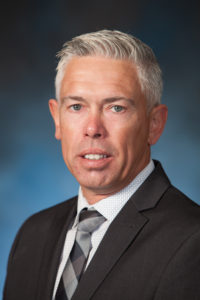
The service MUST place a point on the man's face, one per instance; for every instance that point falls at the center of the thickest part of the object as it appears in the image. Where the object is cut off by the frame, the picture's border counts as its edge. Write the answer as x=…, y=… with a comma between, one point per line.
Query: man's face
x=103, y=124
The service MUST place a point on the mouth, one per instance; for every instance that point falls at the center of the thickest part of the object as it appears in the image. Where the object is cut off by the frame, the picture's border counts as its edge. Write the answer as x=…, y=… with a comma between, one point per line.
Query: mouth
x=95, y=157
x=92, y=156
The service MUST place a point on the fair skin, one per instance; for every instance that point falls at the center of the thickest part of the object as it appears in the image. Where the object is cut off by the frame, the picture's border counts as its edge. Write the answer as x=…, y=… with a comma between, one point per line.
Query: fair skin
x=103, y=124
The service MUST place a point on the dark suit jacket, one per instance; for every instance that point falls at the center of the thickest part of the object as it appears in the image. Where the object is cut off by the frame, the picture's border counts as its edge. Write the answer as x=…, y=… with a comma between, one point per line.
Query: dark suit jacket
x=150, y=251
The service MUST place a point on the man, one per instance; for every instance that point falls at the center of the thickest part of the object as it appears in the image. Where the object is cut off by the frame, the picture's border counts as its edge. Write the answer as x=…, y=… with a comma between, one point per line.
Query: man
x=129, y=234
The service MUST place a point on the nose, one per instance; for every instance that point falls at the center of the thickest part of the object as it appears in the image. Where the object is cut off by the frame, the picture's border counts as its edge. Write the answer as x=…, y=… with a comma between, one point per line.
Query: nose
x=94, y=126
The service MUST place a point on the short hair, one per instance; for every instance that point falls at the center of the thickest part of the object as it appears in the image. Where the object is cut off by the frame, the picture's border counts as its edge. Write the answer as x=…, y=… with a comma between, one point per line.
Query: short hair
x=116, y=45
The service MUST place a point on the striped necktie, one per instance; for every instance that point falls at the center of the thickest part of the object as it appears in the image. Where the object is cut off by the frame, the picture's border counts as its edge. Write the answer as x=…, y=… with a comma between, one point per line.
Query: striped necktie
x=89, y=221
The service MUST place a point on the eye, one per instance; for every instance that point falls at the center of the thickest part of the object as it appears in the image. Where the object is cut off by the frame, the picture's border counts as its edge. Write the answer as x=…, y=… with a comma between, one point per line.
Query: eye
x=117, y=108
x=76, y=107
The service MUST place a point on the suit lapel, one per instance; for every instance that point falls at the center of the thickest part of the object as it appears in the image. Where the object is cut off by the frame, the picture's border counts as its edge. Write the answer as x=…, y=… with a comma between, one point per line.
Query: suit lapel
x=122, y=232
x=53, y=248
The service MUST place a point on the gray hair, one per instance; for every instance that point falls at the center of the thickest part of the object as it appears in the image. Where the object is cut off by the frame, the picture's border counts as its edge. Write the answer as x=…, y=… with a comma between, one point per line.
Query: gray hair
x=116, y=45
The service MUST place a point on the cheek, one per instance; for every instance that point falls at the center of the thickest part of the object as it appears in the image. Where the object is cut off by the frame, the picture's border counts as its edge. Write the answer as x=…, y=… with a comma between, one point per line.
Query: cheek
x=66, y=141
x=68, y=131
x=125, y=139
x=134, y=138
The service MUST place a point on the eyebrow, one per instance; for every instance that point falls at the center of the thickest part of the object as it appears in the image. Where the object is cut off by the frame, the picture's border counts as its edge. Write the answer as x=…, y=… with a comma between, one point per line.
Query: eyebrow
x=76, y=98
x=106, y=100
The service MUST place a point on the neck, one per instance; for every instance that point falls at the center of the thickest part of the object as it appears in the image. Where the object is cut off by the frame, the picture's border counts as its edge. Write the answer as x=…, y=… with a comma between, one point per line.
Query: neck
x=94, y=195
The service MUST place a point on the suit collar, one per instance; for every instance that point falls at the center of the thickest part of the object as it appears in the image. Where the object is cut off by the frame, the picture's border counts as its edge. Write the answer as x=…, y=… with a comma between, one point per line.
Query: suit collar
x=150, y=192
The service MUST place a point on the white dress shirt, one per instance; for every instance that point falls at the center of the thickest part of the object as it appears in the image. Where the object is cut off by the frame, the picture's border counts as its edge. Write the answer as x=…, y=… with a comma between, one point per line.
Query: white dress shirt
x=109, y=208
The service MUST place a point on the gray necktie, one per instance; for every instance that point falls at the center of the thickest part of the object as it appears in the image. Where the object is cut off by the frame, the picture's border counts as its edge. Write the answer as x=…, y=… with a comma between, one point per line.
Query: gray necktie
x=89, y=221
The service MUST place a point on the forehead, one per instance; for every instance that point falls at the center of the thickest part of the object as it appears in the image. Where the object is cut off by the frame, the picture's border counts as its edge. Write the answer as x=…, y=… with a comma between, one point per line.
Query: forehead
x=95, y=72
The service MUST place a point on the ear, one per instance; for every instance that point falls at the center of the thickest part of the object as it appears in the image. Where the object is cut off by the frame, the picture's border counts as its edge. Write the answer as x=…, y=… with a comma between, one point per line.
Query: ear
x=54, y=110
x=158, y=118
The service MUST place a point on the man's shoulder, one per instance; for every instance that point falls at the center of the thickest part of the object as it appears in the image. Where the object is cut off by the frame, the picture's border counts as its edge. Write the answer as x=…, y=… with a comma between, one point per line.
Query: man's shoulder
x=172, y=198
x=181, y=202
x=43, y=218
x=170, y=206
x=179, y=209
x=41, y=226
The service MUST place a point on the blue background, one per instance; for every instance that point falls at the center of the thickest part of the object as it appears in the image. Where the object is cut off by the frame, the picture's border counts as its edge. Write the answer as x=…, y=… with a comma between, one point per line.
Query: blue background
x=33, y=175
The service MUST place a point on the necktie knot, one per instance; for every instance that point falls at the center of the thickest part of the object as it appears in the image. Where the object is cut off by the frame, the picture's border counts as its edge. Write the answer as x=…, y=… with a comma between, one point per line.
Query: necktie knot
x=90, y=220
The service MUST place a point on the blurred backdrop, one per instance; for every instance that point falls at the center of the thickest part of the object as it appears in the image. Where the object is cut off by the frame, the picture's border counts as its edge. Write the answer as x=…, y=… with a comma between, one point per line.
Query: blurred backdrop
x=33, y=175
